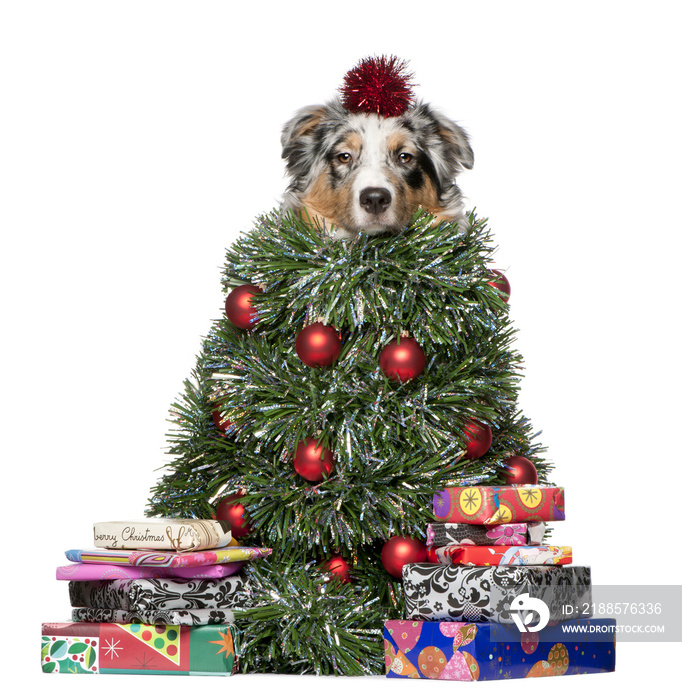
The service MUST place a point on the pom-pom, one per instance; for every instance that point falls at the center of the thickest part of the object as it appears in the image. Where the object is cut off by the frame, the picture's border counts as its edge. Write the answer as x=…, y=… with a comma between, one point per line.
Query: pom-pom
x=380, y=85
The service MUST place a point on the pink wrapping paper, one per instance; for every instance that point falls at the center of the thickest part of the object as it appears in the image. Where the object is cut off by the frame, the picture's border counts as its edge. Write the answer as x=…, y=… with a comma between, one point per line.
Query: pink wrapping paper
x=101, y=572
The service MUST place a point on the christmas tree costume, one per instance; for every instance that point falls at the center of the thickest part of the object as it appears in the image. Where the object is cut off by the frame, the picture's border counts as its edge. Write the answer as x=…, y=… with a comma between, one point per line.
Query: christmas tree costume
x=347, y=383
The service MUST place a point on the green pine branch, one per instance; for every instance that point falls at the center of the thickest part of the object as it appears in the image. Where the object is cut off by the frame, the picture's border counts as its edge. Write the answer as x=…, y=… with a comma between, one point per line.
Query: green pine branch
x=394, y=444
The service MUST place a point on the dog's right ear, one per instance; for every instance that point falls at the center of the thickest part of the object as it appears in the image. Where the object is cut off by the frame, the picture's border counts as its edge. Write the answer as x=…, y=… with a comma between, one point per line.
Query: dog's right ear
x=298, y=137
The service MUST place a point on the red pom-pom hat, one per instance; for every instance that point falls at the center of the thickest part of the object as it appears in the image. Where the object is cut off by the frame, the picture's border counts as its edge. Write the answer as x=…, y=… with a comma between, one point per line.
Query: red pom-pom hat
x=379, y=85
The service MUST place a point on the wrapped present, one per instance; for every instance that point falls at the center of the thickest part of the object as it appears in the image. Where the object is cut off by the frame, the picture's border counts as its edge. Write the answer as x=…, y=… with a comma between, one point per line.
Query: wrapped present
x=487, y=593
x=485, y=651
x=90, y=647
x=445, y=534
x=167, y=559
x=176, y=534
x=154, y=617
x=105, y=572
x=493, y=505
x=501, y=556
x=139, y=595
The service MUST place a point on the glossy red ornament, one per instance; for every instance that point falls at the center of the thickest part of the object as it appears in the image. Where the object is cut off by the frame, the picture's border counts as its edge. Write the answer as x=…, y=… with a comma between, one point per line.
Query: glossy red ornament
x=402, y=359
x=499, y=281
x=479, y=438
x=318, y=345
x=338, y=566
x=399, y=551
x=312, y=460
x=519, y=470
x=232, y=510
x=238, y=307
x=378, y=84
x=221, y=423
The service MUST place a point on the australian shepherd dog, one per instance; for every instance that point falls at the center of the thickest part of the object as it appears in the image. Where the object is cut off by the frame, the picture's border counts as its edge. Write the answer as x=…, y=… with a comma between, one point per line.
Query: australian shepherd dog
x=354, y=172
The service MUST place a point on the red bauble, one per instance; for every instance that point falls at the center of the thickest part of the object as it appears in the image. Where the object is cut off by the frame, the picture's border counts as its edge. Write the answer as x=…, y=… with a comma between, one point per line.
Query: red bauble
x=380, y=85
x=402, y=359
x=312, y=460
x=232, y=510
x=519, y=470
x=399, y=551
x=499, y=281
x=238, y=306
x=479, y=438
x=338, y=566
x=318, y=345
x=221, y=423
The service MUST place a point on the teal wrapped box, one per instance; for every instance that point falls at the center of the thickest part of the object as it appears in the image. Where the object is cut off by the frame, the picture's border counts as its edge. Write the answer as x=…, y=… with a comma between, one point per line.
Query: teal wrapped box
x=485, y=651
x=92, y=647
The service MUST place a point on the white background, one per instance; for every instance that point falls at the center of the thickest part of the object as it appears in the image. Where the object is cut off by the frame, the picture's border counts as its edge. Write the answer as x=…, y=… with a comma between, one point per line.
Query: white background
x=137, y=139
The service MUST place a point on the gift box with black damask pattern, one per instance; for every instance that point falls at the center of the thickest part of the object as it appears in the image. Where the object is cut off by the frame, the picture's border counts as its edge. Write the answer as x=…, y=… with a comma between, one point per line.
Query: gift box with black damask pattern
x=142, y=595
x=485, y=651
x=192, y=618
x=487, y=593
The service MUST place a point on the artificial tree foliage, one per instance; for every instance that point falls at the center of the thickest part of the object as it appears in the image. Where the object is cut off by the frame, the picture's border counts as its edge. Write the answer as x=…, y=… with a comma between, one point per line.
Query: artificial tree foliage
x=394, y=443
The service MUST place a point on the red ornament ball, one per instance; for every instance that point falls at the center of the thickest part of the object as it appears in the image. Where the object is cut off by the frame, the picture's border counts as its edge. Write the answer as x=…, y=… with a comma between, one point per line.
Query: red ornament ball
x=402, y=359
x=318, y=345
x=312, y=460
x=221, y=423
x=519, y=470
x=232, y=510
x=238, y=306
x=338, y=566
x=378, y=84
x=479, y=438
x=499, y=281
x=399, y=551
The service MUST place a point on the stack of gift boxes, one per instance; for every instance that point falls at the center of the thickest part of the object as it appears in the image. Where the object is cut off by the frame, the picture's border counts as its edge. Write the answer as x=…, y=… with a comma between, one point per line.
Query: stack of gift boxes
x=493, y=601
x=154, y=596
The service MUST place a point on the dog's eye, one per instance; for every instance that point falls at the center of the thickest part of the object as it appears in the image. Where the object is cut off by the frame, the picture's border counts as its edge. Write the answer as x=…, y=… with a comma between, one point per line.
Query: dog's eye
x=405, y=158
x=344, y=157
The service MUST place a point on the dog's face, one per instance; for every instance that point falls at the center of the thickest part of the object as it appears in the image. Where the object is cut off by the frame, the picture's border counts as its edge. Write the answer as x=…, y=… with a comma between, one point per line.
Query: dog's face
x=364, y=172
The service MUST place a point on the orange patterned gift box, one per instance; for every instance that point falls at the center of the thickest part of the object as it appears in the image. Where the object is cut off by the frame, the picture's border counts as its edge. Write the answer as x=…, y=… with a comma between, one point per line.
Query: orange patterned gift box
x=491, y=505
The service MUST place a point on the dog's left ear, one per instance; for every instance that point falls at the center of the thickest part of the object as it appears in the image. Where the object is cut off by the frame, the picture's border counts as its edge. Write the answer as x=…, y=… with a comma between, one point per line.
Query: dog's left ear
x=445, y=142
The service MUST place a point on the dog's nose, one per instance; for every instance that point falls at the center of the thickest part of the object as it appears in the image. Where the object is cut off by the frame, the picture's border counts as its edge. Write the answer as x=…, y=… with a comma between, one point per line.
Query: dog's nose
x=375, y=199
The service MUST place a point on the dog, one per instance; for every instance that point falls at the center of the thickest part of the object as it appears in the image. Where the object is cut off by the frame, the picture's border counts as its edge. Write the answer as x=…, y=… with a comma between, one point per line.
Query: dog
x=352, y=172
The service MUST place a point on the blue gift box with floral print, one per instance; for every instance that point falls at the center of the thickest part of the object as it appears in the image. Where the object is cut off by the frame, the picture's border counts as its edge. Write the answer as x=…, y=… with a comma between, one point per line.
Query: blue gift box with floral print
x=484, y=651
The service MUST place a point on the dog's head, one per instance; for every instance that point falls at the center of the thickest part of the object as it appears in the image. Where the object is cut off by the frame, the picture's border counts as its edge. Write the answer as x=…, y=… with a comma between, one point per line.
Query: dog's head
x=365, y=172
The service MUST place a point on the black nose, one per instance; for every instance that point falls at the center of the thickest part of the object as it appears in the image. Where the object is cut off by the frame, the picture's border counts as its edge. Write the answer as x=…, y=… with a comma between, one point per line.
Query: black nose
x=375, y=199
